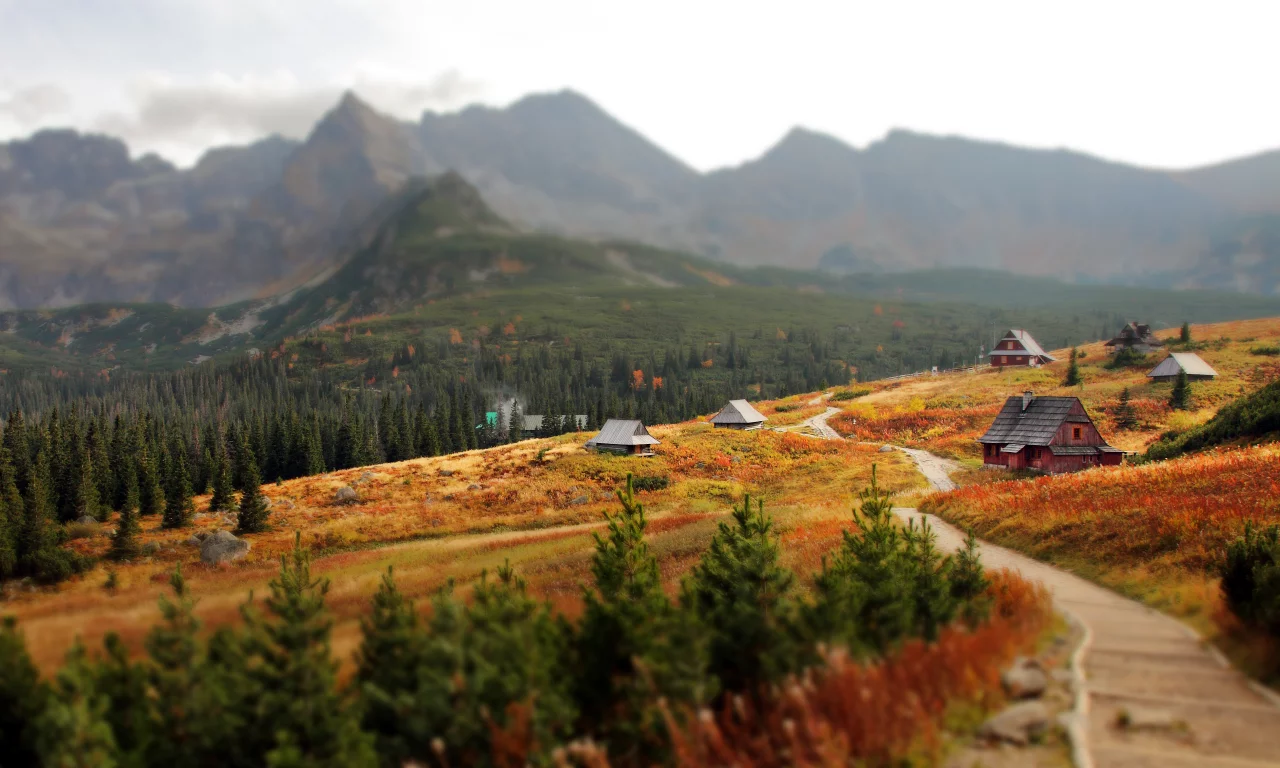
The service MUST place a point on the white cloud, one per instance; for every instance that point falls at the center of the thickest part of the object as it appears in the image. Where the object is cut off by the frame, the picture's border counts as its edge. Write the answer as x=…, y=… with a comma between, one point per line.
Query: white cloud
x=34, y=105
x=180, y=118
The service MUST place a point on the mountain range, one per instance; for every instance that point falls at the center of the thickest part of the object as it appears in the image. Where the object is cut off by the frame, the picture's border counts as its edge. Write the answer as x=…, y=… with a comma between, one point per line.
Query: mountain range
x=81, y=220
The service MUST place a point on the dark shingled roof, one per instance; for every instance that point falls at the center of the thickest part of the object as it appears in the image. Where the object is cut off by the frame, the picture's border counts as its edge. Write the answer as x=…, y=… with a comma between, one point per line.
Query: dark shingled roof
x=1035, y=426
x=1074, y=450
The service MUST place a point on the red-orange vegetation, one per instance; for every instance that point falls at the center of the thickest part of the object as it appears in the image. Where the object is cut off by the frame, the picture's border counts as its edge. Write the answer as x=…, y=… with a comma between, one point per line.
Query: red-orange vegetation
x=876, y=712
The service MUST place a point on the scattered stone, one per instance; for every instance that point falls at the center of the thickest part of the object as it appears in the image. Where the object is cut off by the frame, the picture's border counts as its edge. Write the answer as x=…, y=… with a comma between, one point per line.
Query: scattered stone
x=1143, y=719
x=223, y=547
x=1018, y=724
x=285, y=504
x=734, y=459
x=150, y=548
x=579, y=501
x=345, y=495
x=1063, y=676
x=448, y=496
x=1025, y=679
x=201, y=516
x=87, y=520
x=886, y=448
x=197, y=538
x=366, y=476
x=700, y=465
x=268, y=502
x=473, y=487
x=446, y=473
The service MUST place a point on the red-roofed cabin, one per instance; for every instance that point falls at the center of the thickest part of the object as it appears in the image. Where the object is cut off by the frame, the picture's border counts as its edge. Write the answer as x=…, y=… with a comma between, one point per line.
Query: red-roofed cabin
x=1048, y=434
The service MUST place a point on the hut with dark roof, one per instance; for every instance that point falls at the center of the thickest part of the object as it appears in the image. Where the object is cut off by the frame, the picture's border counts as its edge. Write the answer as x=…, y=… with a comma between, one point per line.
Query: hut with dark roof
x=624, y=436
x=1135, y=336
x=1049, y=434
x=1018, y=348
x=738, y=414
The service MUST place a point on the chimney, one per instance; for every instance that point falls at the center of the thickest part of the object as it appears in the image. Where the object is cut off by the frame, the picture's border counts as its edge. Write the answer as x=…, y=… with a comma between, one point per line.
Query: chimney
x=1027, y=397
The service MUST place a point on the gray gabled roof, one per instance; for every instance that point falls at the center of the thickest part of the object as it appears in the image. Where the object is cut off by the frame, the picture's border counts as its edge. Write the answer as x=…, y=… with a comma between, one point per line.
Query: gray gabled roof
x=738, y=412
x=1029, y=344
x=1186, y=361
x=623, y=432
x=1037, y=425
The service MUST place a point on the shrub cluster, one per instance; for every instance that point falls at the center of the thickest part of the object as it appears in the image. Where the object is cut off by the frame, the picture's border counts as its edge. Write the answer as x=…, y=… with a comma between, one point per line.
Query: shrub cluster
x=499, y=678
x=1251, y=578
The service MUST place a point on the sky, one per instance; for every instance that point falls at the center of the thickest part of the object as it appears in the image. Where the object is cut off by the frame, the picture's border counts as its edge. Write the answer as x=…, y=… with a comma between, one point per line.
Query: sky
x=1167, y=84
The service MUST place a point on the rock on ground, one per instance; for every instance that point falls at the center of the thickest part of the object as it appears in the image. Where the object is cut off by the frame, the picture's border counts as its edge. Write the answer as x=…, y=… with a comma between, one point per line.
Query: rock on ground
x=198, y=538
x=87, y=520
x=886, y=448
x=1025, y=679
x=222, y=547
x=346, y=494
x=1018, y=724
x=579, y=501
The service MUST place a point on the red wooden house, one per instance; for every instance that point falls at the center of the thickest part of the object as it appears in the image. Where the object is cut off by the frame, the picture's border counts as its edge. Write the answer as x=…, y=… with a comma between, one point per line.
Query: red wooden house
x=1018, y=348
x=1049, y=434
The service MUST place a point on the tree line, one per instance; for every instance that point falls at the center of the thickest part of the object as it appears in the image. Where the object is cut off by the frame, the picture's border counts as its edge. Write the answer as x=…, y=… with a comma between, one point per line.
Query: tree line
x=496, y=679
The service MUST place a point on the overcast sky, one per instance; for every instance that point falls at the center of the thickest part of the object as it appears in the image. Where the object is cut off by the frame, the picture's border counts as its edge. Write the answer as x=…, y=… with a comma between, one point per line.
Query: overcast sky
x=1167, y=84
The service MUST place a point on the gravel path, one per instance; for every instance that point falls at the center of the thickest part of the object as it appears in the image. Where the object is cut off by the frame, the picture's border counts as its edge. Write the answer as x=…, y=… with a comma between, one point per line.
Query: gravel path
x=1196, y=710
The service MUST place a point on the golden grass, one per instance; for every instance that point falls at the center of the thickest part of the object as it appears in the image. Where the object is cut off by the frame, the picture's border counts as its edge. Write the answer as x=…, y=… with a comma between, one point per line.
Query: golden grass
x=946, y=414
x=497, y=504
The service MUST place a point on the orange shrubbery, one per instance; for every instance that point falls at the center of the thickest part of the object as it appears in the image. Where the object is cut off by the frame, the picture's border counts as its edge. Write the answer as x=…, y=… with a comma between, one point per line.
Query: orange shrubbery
x=1180, y=512
x=872, y=712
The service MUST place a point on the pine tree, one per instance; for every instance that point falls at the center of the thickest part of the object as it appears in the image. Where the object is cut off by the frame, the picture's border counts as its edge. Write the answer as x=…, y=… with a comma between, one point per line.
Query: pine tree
x=179, y=507
x=741, y=593
x=1180, y=397
x=124, y=542
x=301, y=718
x=253, y=506
x=969, y=581
x=173, y=649
x=1126, y=418
x=1184, y=336
x=123, y=683
x=1073, y=371
x=386, y=668
x=150, y=495
x=73, y=730
x=11, y=516
x=222, y=497
x=23, y=698
x=633, y=645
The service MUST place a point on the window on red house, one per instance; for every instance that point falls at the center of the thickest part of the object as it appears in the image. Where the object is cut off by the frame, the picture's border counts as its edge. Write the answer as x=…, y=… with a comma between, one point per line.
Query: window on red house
x=1076, y=432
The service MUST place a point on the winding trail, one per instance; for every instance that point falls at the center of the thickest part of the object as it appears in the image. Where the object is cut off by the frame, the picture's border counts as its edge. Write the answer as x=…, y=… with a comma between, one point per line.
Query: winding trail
x=1135, y=662
x=818, y=424
x=1141, y=662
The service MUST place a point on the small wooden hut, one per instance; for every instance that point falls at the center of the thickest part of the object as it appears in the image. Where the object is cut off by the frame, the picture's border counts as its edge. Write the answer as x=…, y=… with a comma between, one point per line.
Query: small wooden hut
x=738, y=414
x=624, y=436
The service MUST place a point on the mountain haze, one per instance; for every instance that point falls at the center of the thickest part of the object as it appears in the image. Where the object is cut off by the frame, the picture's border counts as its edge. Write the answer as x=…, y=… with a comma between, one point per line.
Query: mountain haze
x=82, y=221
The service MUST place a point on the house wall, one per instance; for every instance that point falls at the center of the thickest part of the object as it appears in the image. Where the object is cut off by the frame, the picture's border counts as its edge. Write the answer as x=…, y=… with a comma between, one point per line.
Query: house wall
x=1001, y=361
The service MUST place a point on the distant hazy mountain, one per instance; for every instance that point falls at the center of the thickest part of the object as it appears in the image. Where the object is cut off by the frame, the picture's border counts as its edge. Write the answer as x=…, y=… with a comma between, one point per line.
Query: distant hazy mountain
x=82, y=221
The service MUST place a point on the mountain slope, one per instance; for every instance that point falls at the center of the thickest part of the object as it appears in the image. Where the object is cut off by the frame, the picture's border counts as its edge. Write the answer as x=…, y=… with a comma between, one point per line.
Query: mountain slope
x=81, y=221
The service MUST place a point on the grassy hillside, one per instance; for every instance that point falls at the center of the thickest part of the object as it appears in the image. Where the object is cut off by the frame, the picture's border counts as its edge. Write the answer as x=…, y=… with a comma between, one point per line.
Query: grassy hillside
x=946, y=414
x=1252, y=417
x=535, y=503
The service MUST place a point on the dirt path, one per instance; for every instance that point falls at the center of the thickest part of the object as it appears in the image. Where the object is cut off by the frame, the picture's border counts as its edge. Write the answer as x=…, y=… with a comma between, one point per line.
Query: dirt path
x=818, y=424
x=1137, y=662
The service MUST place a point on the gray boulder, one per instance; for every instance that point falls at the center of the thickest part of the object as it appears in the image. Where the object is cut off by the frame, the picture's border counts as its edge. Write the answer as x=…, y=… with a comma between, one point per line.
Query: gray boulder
x=1025, y=679
x=346, y=494
x=473, y=487
x=87, y=520
x=1018, y=724
x=886, y=448
x=223, y=547
x=446, y=473
x=198, y=538
x=579, y=501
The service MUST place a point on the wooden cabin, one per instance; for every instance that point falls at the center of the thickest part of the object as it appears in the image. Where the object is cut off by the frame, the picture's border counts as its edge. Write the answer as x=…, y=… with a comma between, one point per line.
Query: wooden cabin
x=1195, y=368
x=1047, y=434
x=1018, y=348
x=738, y=414
x=1135, y=336
x=624, y=436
